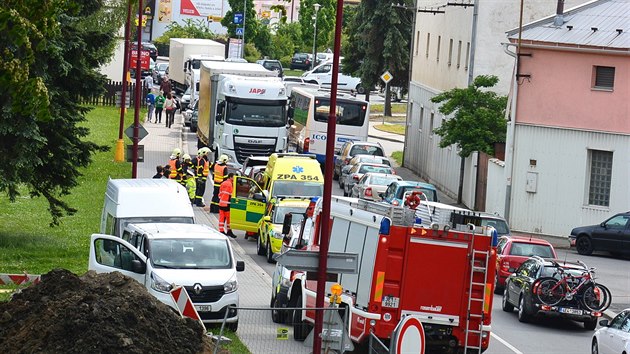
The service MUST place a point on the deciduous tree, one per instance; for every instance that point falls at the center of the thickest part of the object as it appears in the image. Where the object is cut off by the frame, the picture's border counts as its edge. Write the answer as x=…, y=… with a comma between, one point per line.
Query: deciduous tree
x=51, y=52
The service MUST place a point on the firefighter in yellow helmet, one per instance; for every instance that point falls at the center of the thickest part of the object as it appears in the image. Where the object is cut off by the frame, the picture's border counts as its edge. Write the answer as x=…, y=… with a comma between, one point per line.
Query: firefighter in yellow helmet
x=186, y=165
x=176, y=165
x=219, y=172
x=201, y=167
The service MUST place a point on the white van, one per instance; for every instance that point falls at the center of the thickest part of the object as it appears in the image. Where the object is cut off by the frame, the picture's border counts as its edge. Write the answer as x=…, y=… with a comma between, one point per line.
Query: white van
x=322, y=75
x=144, y=200
x=160, y=256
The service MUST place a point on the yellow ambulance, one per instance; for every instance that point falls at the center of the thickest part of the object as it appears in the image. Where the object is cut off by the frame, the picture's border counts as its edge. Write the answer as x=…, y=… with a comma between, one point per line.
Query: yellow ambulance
x=286, y=175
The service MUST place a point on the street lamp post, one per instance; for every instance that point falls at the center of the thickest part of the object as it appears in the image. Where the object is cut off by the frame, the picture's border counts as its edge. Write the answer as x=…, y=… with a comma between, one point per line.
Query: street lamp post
x=316, y=6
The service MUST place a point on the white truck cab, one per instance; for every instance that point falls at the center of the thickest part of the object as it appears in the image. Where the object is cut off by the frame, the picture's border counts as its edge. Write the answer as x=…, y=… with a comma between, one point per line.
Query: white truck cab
x=161, y=256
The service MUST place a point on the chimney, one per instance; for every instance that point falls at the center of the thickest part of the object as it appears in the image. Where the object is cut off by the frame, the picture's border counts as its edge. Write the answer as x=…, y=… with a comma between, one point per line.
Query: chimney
x=559, y=19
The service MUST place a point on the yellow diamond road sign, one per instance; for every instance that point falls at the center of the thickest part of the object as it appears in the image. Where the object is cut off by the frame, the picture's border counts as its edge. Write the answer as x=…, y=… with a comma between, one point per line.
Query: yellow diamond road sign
x=387, y=77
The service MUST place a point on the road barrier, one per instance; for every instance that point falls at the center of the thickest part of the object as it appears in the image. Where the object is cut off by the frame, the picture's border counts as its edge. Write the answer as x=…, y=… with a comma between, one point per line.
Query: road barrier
x=19, y=279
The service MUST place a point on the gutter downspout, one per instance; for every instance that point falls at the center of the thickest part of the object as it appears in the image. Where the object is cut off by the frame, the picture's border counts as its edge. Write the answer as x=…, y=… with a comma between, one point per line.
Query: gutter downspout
x=409, y=101
x=510, y=137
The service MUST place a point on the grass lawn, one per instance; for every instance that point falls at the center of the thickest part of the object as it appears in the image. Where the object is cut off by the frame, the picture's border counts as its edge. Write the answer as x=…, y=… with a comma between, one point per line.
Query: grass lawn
x=295, y=72
x=398, y=156
x=396, y=108
x=391, y=128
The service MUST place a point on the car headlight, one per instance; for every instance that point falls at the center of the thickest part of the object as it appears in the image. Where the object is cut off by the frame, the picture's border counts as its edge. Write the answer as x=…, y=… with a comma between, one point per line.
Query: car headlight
x=231, y=285
x=159, y=284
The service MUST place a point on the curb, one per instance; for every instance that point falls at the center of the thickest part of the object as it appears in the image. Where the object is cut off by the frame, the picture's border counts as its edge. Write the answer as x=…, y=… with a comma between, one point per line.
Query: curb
x=385, y=138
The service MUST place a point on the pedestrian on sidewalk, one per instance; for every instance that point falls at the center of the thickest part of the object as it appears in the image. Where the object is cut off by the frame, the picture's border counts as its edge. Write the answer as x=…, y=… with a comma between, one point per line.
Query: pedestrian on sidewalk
x=159, y=106
x=150, y=105
x=219, y=172
x=165, y=86
x=148, y=82
x=160, y=172
x=169, y=106
x=202, y=170
x=225, y=193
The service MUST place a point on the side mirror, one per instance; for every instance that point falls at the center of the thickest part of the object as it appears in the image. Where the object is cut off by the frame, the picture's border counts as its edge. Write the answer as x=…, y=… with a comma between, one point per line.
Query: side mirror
x=290, y=113
x=219, y=117
x=382, y=195
x=267, y=218
x=603, y=224
x=240, y=266
x=138, y=267
x=291, y=121
x=259, y=197
x=286, y=225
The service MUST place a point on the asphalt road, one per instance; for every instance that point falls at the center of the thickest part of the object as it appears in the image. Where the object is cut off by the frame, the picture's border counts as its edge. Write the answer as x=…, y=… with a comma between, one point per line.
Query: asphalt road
x=543, y=335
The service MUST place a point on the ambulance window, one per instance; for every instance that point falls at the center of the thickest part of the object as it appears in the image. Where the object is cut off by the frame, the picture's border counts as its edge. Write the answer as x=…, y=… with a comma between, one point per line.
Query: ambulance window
x=243, y=185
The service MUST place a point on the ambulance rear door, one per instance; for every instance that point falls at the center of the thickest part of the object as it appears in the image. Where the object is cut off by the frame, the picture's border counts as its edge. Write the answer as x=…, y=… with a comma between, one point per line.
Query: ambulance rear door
x=247, y=205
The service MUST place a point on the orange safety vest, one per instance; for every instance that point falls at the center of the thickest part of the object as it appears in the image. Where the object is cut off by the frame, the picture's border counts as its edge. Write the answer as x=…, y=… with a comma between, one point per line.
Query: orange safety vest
x=225, y=193
x=173, y=164
x=219, y=173
x=206, y=168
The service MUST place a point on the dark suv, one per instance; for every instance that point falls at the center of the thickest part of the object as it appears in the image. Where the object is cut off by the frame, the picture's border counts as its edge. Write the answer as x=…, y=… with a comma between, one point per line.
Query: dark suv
x=521, y=285
x=301, y=61
x=273, y=65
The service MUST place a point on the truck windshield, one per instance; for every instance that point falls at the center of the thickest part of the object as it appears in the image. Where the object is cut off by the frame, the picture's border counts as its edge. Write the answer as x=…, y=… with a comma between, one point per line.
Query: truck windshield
x=348, y=113
x=259, y=113
x=190, y=253
x=301, y=189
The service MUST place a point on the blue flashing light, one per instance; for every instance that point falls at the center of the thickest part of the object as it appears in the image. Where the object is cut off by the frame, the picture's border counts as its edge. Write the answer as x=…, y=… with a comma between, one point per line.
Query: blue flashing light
x=418, y=220
x=385, y=225
x=495, y=237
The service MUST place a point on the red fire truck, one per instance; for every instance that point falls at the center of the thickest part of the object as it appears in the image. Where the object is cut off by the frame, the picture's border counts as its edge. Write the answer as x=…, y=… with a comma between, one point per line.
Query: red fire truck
x=441, y=274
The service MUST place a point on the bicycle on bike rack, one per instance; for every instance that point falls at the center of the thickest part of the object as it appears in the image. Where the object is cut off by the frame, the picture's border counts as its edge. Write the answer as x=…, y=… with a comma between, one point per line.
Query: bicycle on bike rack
x=573, y=285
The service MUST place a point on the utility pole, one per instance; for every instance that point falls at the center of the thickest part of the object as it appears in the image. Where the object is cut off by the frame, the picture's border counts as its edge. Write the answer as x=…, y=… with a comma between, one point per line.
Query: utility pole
x=136, y=106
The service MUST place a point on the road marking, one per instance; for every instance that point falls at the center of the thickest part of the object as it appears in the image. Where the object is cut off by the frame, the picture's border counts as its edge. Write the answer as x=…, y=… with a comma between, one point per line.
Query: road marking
x=505, y=343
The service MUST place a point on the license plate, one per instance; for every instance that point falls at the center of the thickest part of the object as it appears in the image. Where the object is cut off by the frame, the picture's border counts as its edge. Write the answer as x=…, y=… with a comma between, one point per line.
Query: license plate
x=570, y=311
x=203, y=308
x=390, y=301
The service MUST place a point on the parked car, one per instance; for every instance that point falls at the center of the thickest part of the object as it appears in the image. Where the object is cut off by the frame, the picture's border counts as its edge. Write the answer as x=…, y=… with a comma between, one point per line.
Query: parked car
x=189, y=112
x=512, y=251
x=371, y=185
x=186, y=100
x=159, y=71
x=519, y=292
x=395, y=193
x=614, y=335
x=351, y=148
x=362, y=158
x=270, y=227
x=612, y=235
x=357, y=171
x=323, y=57
x=301, y=61
x=272, y=65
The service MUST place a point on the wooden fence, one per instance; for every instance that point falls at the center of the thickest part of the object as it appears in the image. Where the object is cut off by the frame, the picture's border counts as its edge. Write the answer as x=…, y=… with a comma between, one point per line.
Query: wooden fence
x=110, y=96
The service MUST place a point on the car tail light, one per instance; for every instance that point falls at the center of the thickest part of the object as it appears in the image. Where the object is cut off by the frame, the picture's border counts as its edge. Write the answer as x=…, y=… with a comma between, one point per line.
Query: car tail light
x=368, y=192
x=545, y=307
x=395, y=202
x=346, y=161
x=307, y=143
x=355, y=177
x=505, y=266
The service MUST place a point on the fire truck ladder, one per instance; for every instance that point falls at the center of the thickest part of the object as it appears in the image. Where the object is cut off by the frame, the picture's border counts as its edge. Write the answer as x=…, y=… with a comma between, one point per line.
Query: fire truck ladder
x=478, y=265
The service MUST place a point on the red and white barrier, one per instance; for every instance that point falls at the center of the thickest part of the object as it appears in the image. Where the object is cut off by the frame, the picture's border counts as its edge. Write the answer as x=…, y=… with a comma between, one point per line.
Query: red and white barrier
x=19, y=279
x=184, y=304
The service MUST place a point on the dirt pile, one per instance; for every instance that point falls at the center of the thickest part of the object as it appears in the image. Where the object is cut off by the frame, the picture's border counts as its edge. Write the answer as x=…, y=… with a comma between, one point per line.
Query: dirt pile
x=94, y=313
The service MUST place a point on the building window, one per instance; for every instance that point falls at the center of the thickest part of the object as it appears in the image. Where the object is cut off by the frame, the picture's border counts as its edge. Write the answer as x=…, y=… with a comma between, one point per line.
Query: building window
x=459, y=53
x=417, y=42
x=438, y=48
x=450, y=52
x=603, y=77
x=420, y=121
x=467, y=56
x=600, y=177
x=428, y=44
x=431, y=121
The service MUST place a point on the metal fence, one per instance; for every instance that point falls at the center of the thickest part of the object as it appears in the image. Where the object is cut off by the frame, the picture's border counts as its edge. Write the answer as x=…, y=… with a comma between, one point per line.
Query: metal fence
x=111, y=96
x=288, y=334
x=375, y=346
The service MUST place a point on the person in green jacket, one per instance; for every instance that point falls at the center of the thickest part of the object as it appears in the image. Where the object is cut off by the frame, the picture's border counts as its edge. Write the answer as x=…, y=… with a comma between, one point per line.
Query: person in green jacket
x=191, y=185
x=159, y=107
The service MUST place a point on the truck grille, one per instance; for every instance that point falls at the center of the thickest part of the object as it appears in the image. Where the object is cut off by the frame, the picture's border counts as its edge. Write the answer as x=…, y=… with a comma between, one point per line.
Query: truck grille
x=207, y=294
x=244, y=151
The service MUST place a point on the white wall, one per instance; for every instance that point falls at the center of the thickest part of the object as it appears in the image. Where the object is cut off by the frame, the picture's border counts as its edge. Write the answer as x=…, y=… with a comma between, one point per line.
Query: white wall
x=114, y=69
x=495, y=195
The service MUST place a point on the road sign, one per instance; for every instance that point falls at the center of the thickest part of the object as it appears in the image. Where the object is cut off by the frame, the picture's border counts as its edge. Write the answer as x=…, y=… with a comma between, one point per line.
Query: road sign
x=238, y=18
x=266, y=14
x=334, y=334
x=408, y=337
x=308, y=261
x=239, y=31
x=127, y=98
x=142, y=133
x=387, y=77
x=130, y=153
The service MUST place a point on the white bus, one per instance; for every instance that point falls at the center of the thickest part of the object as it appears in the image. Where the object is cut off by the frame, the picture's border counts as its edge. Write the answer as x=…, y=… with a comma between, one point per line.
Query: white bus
x=308, y=113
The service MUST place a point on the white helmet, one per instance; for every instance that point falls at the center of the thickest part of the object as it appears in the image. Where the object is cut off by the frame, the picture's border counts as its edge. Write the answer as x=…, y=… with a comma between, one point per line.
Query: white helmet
x=186, y=157
x=177, y=152
x=203, y=151
x=224, y=158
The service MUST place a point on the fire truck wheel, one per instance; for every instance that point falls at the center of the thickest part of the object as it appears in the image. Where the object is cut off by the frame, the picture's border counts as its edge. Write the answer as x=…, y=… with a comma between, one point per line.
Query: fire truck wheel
x=260, y=249
x=505, y=304
x=300, y=328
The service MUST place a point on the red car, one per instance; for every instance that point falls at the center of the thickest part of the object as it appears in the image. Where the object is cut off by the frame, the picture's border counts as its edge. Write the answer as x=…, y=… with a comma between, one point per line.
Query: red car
x=512, y=251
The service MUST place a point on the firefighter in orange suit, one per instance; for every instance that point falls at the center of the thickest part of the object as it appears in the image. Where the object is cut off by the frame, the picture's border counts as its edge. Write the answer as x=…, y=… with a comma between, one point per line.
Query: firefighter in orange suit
x=219, y=171
x=225, y=193
x=176, y=165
